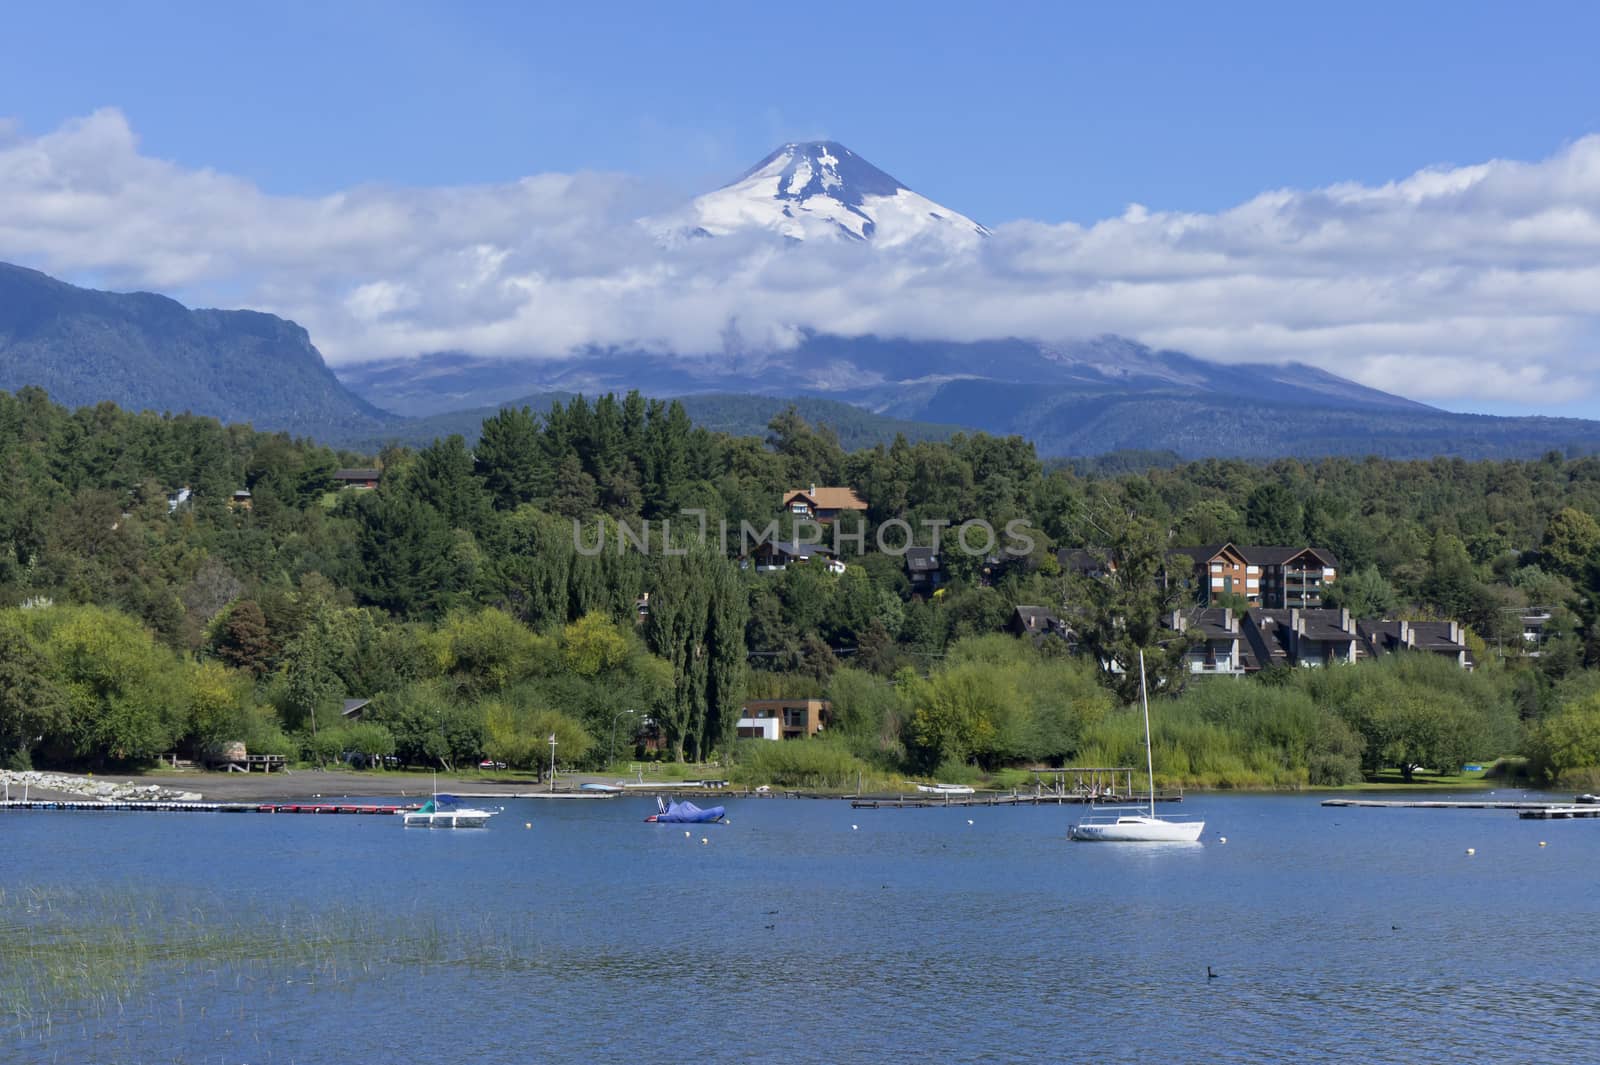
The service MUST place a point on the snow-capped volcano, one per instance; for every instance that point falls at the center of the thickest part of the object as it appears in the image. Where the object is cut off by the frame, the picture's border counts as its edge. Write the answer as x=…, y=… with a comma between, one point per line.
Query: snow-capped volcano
x=821, y=189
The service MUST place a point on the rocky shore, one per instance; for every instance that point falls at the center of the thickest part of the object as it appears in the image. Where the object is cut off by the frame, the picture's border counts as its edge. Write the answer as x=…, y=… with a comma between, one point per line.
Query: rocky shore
x=36, y=784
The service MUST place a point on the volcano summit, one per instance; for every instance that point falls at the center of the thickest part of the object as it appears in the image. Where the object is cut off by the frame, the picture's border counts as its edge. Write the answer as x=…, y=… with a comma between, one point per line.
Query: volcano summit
x=814, y=190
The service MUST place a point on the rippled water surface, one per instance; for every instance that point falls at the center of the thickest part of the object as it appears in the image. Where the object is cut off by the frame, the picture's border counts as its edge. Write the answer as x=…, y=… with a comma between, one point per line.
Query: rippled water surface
x=790, y=936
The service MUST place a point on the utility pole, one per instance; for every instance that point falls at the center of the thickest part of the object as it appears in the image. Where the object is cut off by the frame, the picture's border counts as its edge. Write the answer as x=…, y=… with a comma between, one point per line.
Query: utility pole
x=611, y=753
x=552, y=761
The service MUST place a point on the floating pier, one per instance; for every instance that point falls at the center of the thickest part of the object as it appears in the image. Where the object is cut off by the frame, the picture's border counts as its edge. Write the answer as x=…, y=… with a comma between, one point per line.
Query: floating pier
x=1532, y=810
x=1561, y=811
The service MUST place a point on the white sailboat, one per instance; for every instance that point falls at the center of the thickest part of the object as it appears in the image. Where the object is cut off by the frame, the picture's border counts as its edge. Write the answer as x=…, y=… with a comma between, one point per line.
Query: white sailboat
x=1116, y=826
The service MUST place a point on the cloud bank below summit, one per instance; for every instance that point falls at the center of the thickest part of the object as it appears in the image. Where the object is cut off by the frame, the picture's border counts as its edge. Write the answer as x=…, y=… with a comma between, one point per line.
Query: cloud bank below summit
x=1466, y=284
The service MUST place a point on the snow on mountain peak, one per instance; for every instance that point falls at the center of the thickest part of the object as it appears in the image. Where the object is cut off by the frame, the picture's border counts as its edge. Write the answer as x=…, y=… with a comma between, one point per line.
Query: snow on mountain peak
x=809, y=190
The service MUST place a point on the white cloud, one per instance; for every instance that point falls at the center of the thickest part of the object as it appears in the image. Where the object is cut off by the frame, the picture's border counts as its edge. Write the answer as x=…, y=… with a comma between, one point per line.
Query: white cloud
x=1458, y=284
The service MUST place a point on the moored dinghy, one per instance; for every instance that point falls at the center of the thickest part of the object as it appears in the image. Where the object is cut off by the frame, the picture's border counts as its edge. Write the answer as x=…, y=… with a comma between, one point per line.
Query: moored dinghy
x=944, y=789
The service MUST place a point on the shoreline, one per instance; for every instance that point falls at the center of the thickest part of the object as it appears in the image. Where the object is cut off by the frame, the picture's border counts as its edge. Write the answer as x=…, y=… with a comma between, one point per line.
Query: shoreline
x=308, y=784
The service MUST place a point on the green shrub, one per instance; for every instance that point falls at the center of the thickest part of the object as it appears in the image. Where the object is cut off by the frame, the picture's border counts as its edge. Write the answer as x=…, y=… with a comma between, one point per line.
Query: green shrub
x=814, y=763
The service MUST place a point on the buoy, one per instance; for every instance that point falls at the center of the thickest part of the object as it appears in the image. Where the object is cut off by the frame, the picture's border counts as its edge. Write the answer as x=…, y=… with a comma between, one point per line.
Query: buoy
x=1222, y=839
x=704, y=841
x=857, y=828
x=969, y=820
x=527, y=824
x=687, y=833
x=1541, y=843
x=1472, y=850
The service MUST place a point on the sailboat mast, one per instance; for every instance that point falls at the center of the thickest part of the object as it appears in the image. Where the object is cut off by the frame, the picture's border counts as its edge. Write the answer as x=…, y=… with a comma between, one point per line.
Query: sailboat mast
x=1149, y=758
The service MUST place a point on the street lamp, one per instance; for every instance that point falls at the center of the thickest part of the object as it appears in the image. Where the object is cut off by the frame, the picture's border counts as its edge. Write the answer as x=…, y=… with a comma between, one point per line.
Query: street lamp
x=552, y=761
x=611, y=754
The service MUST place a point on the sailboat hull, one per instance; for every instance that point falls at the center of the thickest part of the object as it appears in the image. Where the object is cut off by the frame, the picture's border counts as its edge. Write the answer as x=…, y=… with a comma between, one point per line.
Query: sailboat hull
x=1138, y=830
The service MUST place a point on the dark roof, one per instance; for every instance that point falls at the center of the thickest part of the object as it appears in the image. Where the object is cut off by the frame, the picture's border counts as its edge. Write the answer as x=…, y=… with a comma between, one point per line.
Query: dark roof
x=1277, y=556
x=354, y=706
x=1036, y=618
x=921, y=559
x=1435, y=636
x=1211, y=623
x=1080, y=560
x=1202, y=553
x=793, y=548
x=1326, y=625
x=1254, y=555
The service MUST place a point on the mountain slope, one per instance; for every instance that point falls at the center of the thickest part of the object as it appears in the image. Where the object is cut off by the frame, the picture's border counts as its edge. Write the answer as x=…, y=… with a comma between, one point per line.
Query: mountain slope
x=144, y=351
x=1079, y=399
x=816, y=190
x=733, y=414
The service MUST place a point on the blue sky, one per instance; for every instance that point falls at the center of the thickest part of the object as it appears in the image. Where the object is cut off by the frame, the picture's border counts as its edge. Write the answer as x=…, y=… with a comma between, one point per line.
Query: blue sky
x=1046, y=111
x=1316, y=184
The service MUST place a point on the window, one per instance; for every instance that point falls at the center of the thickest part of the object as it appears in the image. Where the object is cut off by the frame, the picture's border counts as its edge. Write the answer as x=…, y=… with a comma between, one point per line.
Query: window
x=1216, y=567
x=1252, y=570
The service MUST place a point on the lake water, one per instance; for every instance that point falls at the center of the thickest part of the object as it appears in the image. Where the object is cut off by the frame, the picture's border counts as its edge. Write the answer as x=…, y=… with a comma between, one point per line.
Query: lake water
x=1336, y=934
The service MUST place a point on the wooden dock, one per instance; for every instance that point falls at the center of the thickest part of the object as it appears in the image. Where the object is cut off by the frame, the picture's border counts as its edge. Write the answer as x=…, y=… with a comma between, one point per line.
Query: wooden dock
x=1533, y=810
x=926, y=801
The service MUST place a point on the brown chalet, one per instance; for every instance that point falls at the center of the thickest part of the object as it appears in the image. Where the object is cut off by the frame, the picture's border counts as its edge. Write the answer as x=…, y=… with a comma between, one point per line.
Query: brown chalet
x=357, y=478
x=1273, y=578
x=822, y=504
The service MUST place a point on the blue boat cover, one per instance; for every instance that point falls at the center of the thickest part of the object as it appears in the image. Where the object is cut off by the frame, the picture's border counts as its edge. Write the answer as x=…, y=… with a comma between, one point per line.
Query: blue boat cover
x=687, y=813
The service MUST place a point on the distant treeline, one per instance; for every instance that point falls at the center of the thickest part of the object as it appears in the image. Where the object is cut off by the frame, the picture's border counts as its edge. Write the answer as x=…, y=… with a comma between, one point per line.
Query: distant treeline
x=453, y=595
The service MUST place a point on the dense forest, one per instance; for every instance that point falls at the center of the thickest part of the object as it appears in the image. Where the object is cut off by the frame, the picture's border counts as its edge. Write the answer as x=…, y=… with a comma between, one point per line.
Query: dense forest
x=137, y=618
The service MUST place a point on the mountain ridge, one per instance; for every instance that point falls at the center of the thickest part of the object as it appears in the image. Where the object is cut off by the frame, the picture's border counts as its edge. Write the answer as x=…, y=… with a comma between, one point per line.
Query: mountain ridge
x=146, y=351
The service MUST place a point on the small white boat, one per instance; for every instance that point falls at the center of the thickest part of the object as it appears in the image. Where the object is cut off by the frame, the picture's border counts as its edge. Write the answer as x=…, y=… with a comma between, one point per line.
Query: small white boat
x=605, y=789
x=1114, y=826
x=441, y=811
x=945, y=789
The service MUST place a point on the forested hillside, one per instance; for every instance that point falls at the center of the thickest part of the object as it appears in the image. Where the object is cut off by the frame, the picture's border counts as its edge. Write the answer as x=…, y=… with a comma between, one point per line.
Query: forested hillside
x=136, y=619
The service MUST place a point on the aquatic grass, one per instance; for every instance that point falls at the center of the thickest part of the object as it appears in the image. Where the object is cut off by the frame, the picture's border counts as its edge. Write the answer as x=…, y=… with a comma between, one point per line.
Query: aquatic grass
x=72, y=956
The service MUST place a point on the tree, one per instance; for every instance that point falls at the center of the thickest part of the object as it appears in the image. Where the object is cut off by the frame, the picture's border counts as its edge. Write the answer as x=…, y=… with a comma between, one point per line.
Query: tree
x=1123, y=611
x=32, y=704
x=697, y=623
x=125, y=692
x=1451, y=582
x=406, y=559
x=1570, y=541
x=244, y=641
x=1567, y=740
x=1427, y=729
x=1273, y=515
x=1364, y=593
x=507, y=458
